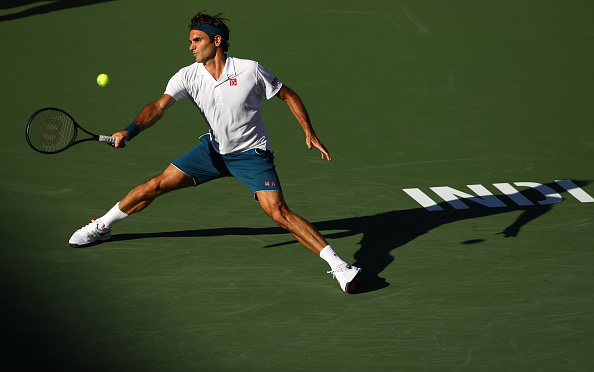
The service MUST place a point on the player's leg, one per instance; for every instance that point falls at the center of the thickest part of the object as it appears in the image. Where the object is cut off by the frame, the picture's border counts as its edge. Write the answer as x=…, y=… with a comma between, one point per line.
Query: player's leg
x=142, y=195
x=197, y=166
x=256, y=169
x=136, y=200
x=274, y=205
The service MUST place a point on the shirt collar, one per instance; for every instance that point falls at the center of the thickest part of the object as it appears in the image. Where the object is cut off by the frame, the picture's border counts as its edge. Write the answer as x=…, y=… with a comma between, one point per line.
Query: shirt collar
x=228, y=72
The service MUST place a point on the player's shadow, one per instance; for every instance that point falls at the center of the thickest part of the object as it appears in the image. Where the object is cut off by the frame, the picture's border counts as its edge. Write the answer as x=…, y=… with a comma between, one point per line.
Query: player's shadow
x=384, y=232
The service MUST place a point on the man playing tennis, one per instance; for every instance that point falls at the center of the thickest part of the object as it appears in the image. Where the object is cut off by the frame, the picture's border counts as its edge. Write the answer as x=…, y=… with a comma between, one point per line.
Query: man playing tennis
x=228, y=92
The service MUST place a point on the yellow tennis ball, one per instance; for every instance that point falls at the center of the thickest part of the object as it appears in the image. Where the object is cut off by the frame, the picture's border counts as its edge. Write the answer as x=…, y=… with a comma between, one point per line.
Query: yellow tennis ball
x=103, y=80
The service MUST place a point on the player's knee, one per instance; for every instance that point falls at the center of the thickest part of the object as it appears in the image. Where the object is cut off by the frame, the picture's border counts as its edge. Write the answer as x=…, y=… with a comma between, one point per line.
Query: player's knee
x=281, y=216
x=153, y=188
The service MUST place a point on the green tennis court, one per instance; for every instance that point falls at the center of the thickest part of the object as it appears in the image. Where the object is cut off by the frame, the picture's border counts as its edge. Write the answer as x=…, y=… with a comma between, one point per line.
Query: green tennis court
x=462, y=183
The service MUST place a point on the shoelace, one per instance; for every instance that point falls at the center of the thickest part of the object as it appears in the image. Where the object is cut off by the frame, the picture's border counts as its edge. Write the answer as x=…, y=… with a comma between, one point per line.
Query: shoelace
x=338, y=269
x=93, y=228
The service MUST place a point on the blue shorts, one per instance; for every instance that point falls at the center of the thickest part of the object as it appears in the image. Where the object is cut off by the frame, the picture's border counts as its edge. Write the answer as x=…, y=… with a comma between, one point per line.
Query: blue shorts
x=255, y=168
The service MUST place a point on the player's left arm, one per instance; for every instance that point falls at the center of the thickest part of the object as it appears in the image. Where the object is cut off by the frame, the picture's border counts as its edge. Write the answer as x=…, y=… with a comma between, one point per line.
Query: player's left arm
x=298, y=109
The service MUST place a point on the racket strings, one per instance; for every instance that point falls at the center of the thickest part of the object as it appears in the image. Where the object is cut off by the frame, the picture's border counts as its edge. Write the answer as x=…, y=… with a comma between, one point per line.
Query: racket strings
x=51, y=130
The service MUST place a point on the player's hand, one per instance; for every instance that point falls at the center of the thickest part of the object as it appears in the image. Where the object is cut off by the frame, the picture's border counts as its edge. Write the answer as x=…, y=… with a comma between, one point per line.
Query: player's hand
x=121, y=139
x=313, y=141
x=510, y=232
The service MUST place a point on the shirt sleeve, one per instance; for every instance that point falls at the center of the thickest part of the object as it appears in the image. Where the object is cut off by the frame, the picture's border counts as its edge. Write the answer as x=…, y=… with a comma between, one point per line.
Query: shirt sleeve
x=268, y=84
x=176, y=87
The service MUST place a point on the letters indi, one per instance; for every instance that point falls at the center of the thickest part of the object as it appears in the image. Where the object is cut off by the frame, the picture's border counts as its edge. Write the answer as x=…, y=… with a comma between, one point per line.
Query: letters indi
x=486, y=198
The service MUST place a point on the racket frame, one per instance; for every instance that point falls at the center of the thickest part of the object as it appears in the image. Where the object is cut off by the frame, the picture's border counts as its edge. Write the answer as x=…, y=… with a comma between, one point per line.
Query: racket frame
x=73, y=141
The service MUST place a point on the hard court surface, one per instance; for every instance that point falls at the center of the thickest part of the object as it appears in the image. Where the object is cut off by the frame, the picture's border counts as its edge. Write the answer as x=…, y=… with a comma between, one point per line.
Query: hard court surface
x=416, y=100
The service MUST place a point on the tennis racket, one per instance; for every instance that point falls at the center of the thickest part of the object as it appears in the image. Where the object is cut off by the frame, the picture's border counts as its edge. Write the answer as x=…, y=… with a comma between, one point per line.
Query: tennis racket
x=51, y=130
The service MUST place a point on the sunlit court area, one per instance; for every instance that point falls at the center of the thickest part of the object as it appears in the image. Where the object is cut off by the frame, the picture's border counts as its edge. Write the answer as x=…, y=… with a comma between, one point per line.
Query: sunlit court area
x=461, y=183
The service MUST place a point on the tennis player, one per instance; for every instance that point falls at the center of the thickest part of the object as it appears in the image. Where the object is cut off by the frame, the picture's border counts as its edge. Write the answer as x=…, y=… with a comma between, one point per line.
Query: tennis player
x=228, y=92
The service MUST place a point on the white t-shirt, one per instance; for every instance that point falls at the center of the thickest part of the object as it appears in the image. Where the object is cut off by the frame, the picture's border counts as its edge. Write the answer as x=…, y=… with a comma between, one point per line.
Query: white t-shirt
x=231, y=106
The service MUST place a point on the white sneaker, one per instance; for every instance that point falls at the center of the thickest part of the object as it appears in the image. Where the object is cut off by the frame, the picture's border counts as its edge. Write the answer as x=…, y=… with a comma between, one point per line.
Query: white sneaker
x=347, y=277
x=87, y=235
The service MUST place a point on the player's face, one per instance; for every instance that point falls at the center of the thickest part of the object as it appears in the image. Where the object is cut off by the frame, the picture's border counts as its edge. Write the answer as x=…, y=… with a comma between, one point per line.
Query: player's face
x=201, y=46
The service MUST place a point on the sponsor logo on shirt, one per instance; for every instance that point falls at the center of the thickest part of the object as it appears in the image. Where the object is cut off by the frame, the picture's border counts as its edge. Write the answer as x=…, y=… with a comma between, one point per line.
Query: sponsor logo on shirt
x=275, y=82
x=232, y=82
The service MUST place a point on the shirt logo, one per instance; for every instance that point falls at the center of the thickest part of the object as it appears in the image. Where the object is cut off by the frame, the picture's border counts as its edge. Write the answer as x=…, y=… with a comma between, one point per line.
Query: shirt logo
x=232, y=82
x=275, y=81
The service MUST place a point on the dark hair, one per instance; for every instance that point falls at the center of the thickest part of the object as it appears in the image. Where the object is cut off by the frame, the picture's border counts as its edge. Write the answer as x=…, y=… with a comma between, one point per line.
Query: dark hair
x=216, y=21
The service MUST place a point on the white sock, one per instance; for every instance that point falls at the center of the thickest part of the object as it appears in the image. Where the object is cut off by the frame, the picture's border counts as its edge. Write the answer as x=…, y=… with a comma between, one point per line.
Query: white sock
x=114, y=215
x=331, y=257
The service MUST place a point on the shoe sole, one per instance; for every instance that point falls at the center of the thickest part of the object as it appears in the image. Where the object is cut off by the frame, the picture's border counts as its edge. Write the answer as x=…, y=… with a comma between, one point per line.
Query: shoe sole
x=101, y=239
x=353, y=284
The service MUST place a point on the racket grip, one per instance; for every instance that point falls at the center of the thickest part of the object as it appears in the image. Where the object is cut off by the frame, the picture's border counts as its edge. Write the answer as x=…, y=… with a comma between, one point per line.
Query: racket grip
x=107, y=139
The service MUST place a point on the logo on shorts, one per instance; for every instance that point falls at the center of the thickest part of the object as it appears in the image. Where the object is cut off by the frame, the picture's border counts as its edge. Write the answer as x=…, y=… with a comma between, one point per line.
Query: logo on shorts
x=268, y=183
x=232, y=82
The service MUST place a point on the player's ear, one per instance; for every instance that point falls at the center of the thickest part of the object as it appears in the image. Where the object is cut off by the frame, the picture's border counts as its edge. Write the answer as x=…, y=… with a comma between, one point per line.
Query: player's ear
x=218, y=40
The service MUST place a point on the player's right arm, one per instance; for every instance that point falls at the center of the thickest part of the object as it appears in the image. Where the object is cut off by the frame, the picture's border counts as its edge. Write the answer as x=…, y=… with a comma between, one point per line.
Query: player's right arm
x=149, y=115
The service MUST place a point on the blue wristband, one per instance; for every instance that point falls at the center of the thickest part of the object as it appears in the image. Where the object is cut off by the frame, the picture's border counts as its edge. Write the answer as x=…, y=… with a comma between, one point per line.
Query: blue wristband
x=133, y=130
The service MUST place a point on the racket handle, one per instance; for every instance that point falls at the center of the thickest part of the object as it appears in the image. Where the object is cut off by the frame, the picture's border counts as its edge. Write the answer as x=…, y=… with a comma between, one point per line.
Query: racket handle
x=107, y=139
